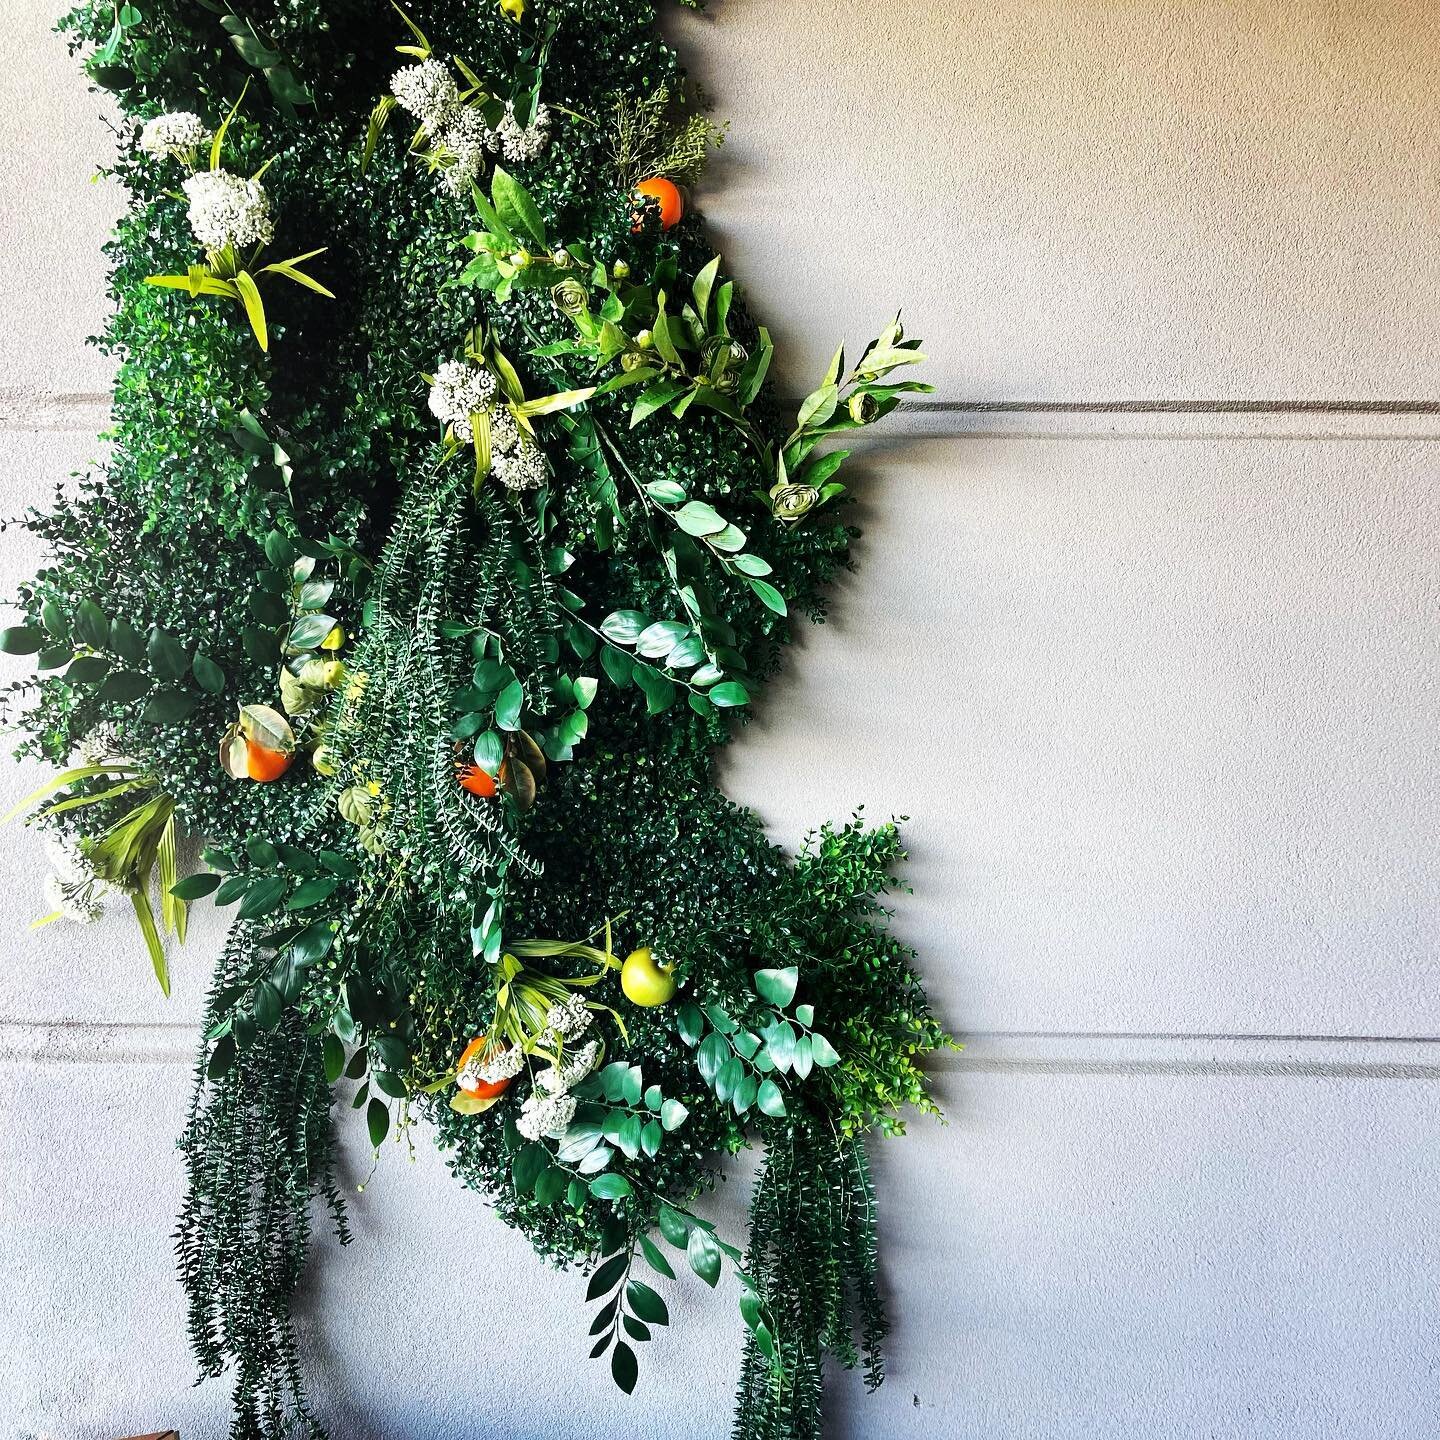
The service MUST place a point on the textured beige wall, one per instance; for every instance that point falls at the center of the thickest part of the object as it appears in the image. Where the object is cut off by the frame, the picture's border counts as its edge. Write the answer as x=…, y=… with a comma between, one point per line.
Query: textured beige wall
x=1158, y=690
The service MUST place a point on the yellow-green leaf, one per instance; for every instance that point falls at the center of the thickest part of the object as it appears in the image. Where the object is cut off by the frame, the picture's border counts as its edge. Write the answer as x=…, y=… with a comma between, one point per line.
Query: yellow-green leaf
x=254, y=307
x=561, y=400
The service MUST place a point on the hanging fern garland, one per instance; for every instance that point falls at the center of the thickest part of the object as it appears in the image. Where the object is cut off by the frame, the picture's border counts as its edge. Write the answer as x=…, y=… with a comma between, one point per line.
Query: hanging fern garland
x=427, y=568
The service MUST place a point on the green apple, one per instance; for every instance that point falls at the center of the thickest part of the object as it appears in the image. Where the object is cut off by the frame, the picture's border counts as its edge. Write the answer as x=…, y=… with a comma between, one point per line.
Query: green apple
x=644, y=981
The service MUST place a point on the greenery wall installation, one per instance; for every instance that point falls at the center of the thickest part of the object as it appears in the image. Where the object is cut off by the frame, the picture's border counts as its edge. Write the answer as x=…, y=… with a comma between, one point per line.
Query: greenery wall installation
x=449, y=525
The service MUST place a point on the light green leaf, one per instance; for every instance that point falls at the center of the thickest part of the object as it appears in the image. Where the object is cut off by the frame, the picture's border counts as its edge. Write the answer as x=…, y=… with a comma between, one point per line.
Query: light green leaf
x=254, y=307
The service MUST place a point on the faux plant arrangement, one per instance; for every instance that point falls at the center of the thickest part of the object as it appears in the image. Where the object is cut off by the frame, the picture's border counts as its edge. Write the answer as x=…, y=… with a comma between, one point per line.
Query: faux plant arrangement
x=425, y=597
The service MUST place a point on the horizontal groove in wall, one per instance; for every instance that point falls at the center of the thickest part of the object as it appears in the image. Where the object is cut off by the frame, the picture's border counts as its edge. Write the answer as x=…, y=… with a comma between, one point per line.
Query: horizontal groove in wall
x=986, y=419
x=71, y=1042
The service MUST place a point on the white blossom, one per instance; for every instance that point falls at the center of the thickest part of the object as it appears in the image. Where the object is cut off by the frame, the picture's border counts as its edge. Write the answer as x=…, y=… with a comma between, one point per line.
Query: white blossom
x=557, y=1079
x=100, y=747
x=226, y=210
x=176, y=134
x=467, y=141
x=427, y=91
x=522, y=143
x=545, y=1115
x=459, y=391
x=495, y=1063
x=522, y=468
x=570, y=1016
x=73, y=888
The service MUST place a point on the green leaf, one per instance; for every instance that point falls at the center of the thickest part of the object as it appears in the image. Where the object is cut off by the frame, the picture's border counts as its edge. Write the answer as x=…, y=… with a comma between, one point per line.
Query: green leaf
x=254, y=308
x=624, y=627
x=166, y=707
x=711, y=1055
x=93, y=627
x=279, y=550
x=269, y=1005
x=87, y=670
x=823, y=1052
x=610, y=1187
x=607, y=1277
x=731, y=1073
x=659, y=692
x=729, y=694
x=817, y=407
x=770, y=1100
x=391, y=1085
x=646, y=1303
x=698, y=518
x=655, y=1258
x=770, y=595
x=377, y=1121
x=655, y=397
x=673, y=1114
x=312, y=892
x=262, y=898
x=704, y=1256
x=777, y=986
x=21, y=640
x=617, y=665
x=313, y=942
x=516, y=207
x=551, y=1185
x=704, y=284
x=222, y=1057
x=127, y=642
x=666, y=491
x=208, y=675
x=624, y=1368
x=196, y=887
x=690, y=1022
x=334, y=1059
x=509, y=705
x=122, y=686
x=673, y=1225
x=166, y=655
x=658, y=640
x=308, y=631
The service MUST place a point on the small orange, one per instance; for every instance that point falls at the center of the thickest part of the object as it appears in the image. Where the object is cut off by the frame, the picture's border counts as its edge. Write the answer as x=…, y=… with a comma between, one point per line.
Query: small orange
x=666, y=193
x=263, y=764
x=474, y=780
x=484, y=1089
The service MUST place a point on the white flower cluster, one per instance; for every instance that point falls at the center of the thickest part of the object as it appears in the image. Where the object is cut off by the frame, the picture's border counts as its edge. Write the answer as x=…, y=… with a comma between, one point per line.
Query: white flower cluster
x=427, y=91
x=515, y=462
x=461, y=389
x=176, y=134
x=73, y=888
x=571, y=1017
x=548, y=1115
x=101, y=746
x=557, y=1079
x=467, y=141
x=495, y=1063
x=228, y=210
x=522, y=143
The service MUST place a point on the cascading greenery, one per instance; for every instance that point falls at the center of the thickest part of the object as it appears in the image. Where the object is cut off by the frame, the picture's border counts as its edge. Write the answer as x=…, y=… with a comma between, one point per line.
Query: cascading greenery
x=426, y=564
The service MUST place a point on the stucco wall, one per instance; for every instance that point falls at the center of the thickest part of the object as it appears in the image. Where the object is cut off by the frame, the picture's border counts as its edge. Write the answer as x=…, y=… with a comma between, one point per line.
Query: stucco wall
x=1144, y=641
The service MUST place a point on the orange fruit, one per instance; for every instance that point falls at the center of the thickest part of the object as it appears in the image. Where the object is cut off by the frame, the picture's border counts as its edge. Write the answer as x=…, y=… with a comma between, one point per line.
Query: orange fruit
x=484, y=1089
x=474, y=780
x=666, y=193
x=263, y=764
